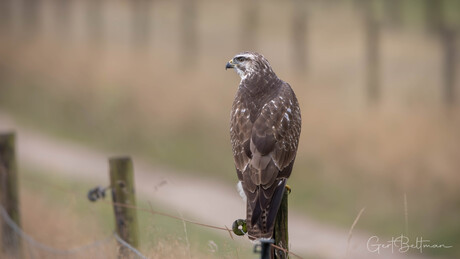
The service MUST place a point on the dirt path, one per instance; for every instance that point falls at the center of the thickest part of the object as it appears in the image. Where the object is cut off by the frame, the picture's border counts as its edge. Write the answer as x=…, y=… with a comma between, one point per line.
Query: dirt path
x=201, y=199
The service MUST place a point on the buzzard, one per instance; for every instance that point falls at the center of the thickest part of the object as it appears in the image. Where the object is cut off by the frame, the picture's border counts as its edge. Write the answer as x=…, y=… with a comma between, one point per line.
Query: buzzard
x=264, y=129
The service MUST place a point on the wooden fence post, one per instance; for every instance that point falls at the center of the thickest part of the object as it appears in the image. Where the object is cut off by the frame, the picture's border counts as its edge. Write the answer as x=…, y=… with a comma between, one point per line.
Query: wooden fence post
x=141, y=22
x=5, y=15
x=95, y=20
x=189, y=32
x=63, y=18
x=434, y=14
x=372, y=34
x=31, y=17
x=299, y=35
x=393, y=12
x=9, y=197
x=250, y=10
x=122, y=183
x=448, y=38
x=280, y=232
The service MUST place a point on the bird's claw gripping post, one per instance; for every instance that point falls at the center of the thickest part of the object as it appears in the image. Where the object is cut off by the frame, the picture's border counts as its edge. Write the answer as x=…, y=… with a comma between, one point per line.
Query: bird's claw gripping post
x=288, y=188
x=239, y=227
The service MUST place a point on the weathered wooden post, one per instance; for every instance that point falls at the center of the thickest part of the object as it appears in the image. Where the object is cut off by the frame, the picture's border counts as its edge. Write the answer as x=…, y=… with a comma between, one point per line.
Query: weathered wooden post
x=63, y=17
x=250, y=24
x=448, y=38
x=372, y=32
x=446, y=30
x=95, y=20
x=434, y=14
x=31, y=17
x=280, y=232
x=122, y=183
x=299, y=35
x=141, y=13
x=9, y=197
x=393, y=12
x=189, y=32
x=5, y=15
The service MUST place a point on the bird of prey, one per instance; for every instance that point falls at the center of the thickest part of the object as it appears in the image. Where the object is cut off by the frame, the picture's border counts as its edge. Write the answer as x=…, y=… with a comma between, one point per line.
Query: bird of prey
x=264, y=129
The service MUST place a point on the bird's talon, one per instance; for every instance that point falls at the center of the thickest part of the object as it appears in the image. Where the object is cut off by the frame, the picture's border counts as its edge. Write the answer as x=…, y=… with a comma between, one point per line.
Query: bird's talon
x=288, y=188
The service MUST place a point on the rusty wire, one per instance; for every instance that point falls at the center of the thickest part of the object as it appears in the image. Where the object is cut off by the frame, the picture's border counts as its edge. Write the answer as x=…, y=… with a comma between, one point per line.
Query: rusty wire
x=225, y=228
x=155, y=212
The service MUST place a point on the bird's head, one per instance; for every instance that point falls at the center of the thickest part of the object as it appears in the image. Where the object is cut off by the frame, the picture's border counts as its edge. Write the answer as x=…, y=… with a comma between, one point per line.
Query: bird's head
x=247, y=63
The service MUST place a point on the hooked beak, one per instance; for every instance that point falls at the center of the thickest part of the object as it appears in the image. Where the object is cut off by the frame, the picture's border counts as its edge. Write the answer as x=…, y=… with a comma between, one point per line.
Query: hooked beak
x=229, y=64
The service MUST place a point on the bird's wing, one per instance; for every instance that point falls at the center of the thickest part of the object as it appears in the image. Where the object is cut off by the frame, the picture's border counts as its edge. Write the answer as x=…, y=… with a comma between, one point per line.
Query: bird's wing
x=287, y=131
x=275, y=134
x=273, y=145
x=240, y=134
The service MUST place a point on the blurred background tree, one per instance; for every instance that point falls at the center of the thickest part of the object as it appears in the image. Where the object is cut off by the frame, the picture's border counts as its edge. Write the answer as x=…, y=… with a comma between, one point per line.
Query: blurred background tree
x=148, y=77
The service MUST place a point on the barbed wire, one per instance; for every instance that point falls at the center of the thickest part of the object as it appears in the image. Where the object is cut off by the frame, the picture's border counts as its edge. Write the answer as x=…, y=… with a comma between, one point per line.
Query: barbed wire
x=150, y=210
x=154, y=212
x=225, y=228
x=31, y=241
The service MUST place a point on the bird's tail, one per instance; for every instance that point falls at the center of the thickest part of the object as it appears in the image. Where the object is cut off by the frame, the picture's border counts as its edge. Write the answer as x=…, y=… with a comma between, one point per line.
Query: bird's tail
x=261, y=219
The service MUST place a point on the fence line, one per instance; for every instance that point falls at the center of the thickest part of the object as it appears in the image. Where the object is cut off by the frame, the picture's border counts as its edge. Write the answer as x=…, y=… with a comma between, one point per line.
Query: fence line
x=100, y=242
x=153, y=212
x=31, y=241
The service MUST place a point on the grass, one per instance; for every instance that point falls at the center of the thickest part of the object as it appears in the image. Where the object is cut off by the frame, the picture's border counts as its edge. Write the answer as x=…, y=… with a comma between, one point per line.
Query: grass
x=351, y=155
x=325, y=195
x=71, y=217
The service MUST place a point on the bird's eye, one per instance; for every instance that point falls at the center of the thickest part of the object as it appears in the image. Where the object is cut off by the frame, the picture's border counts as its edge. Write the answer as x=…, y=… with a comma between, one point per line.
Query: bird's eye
x=240, y=59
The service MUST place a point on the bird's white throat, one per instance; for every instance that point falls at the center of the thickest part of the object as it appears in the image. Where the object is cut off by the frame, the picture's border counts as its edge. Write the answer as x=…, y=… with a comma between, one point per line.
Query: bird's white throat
x=244, y=74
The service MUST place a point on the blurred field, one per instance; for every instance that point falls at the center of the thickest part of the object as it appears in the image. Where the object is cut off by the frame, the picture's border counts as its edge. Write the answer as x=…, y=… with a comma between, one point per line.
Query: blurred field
x=68, y=220
x=153, y=100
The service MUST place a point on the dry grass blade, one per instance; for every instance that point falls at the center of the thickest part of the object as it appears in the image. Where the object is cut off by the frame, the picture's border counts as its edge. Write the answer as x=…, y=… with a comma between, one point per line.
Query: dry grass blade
x=186, y=235
x=350, y=233
x=229, y=232
x=151, y=211
x=406, y=215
